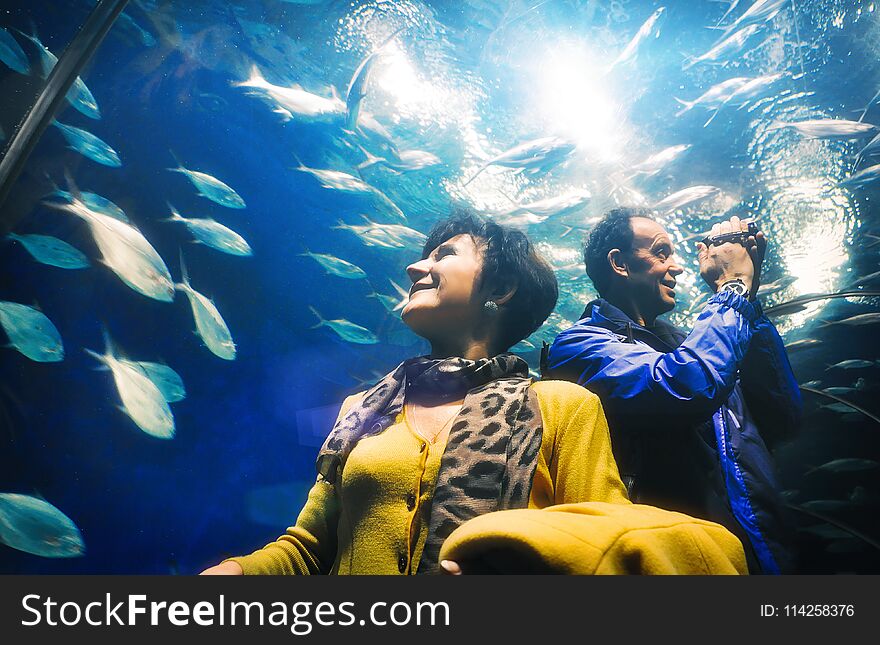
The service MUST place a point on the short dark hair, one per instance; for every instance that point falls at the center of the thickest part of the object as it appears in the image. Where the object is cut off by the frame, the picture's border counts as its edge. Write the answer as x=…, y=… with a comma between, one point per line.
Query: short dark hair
x=613, y=231
x=508, y=257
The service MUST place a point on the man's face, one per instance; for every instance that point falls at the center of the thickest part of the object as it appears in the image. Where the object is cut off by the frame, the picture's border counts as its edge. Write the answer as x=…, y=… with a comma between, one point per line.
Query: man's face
x=653, y=267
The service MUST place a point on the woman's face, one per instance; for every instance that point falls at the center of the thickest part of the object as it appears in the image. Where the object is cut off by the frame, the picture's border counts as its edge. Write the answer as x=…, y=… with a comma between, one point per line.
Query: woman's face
x=445, y=298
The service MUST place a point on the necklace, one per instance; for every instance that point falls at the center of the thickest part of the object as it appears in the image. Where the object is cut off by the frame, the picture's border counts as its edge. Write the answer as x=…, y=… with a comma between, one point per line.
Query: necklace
x=433, y=437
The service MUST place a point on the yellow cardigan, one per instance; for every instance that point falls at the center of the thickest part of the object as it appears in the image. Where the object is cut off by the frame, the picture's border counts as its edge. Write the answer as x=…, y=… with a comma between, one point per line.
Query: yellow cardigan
x=376, y=521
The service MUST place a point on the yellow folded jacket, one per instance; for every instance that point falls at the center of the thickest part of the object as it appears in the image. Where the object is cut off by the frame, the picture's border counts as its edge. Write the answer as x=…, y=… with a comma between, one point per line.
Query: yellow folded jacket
x=594, y=538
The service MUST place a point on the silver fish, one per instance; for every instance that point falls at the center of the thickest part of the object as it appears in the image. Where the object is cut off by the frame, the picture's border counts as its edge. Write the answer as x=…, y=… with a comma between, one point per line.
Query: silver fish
x=337, y=266
x=827, y=128
x=724, y=49
x=126, y=252
x=538, y=155
x=78, y=95
x=295, y=102
x=803, y=343
x=163, y=377
x=407, y=236
x=730, y=9
x=141, y=400
x=714, y=96
x=656, y=162
x=860, y=319
x=631, y=50
x=685, y=197
x=759, y=12
x=776, y=286
x=552, y=207
x=52, y=251
x=392, y=303
x=405, y=161
x=871, y=148
x=862, y=178
x=840, y=408
x=357, y=86
x=852, y=364
x=93, y=202
x=840, y=391
x=372, y=234
x=12, y=54
x=210, y=187
x=212, y=233
x=346, y=183
x=748, y=91
x=210, y=325
x=346, y=330
x=35, y=526
x=848, y=465
x=31, y=333
x=88, y=145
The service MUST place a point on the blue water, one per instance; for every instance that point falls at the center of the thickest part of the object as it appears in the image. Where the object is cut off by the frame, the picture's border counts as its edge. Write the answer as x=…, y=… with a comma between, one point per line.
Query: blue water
x=464, y=78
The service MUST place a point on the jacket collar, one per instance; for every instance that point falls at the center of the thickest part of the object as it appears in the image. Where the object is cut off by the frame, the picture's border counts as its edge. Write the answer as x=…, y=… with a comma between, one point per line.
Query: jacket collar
x=601, y=313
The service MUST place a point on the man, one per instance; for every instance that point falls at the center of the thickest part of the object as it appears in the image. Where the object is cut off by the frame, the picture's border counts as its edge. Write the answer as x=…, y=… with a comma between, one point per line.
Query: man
x=689, y=413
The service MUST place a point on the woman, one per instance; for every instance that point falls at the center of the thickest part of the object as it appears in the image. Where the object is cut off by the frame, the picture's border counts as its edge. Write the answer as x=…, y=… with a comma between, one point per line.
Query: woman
x=464, y=433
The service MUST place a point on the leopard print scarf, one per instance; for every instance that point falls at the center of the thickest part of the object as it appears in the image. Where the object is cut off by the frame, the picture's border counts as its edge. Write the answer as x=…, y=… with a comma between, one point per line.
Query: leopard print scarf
x=493, y=444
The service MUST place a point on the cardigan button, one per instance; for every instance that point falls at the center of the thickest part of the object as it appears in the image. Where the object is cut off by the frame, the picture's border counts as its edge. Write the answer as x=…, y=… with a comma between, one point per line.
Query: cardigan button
x=401, y=563
x=410, y=501
x=422, y=447
x=376, y=427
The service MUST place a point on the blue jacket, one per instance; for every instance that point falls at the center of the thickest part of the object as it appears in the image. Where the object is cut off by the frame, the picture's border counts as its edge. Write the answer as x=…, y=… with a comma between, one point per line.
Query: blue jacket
x=685, y=413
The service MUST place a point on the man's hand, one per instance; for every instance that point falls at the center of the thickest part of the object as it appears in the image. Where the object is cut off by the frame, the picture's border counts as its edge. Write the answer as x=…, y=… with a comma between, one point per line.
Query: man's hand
x=224, y=569
x=729, y=261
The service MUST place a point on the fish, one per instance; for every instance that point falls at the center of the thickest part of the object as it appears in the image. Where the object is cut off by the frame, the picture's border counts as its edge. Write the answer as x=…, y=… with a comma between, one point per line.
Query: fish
x=803, y=343
x=658, y=161
x=852, y=364
x=346, y=330
x=685, y=197
x=826, y=531
x=142, y=400
x=840, y=391
x=337, y=266
x=631, y=50
x=12, y=54
x=52, y=251
x=552, y=207
x=840, y=408
x=730, y=9
x=126, y=22
x=210, y=325
x=847, y=465
x=346, y=183
x=759, y=12
x=93, y=202
x=356, y=91
x=537, y=155
x=125, y=251
x=210, y=187
x=372, y=235
x=811, y=384
x=776, y=286
x=163, y=377
x=88, y=145
x=748, y=91
x=715, y=96
x=827, y=128
x=79, y=96
x=35, y=526
x=861, y=178
x=407, y=236
x=858, y=320
x=405, y=161
x=212, y=233
x=295, y=102
x=727, y=47
x=871, y=148
x=31, y=332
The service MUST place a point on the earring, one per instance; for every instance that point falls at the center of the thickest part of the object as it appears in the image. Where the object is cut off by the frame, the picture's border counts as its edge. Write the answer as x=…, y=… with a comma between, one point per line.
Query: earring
x=491, y=307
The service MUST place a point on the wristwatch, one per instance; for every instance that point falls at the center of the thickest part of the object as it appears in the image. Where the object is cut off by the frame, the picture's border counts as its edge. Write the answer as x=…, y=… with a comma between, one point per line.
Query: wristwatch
x=736, y=285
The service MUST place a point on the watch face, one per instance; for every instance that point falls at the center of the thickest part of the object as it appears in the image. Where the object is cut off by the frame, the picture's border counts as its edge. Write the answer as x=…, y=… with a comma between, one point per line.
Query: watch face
x=737, y=286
